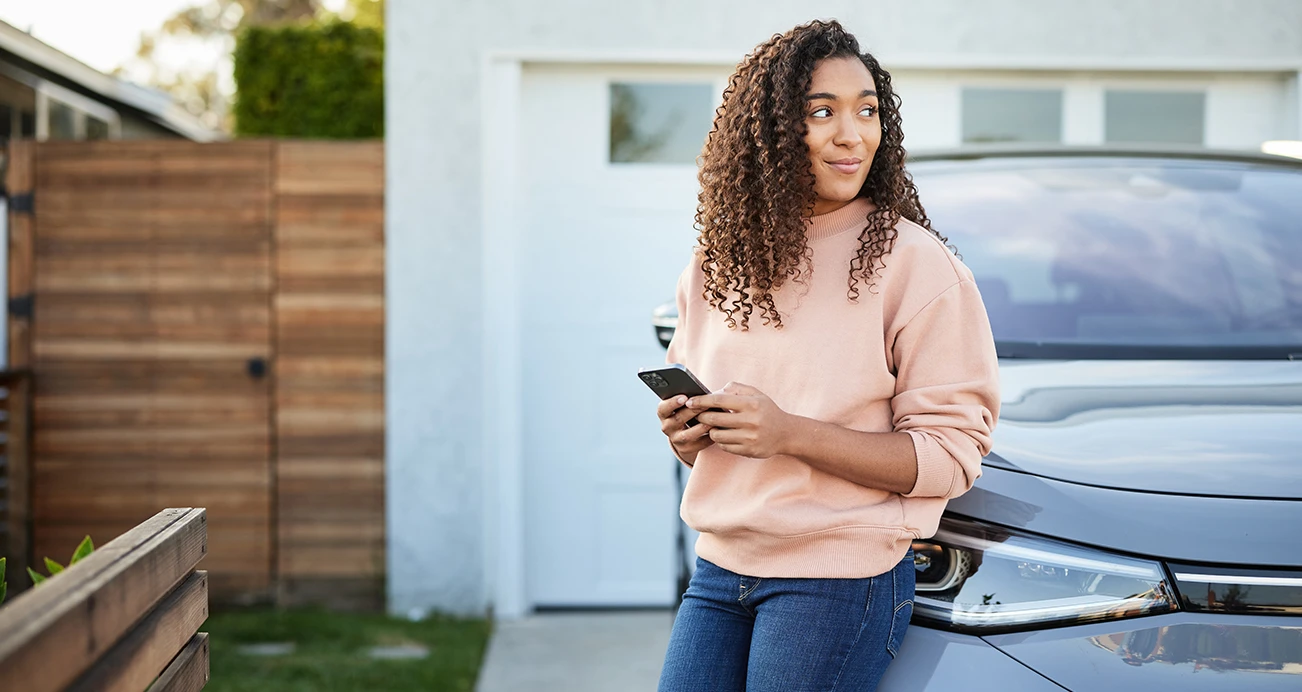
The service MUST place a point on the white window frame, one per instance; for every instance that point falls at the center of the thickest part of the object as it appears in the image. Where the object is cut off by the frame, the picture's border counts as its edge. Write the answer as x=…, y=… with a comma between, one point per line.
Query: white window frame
x=1083, y=97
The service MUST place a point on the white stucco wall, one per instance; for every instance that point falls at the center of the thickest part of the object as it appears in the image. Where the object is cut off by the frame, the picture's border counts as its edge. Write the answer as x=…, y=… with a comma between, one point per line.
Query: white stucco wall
x=438, y=505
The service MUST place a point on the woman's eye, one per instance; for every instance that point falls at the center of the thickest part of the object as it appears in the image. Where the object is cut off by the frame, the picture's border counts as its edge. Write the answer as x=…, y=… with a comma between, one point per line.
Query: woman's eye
x=821, y=113
x=869, y=111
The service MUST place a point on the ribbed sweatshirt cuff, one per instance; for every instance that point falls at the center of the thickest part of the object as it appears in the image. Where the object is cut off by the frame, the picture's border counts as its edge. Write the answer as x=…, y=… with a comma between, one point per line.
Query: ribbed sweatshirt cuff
x=936, y=468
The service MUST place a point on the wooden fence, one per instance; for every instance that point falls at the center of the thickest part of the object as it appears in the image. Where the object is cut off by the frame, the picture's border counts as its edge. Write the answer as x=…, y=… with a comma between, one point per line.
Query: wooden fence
x=329, y=385
x=206, y=329
x=123, y=619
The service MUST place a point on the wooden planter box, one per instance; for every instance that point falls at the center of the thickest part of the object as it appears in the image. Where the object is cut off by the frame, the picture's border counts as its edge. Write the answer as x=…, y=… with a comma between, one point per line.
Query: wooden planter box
x=123, y=619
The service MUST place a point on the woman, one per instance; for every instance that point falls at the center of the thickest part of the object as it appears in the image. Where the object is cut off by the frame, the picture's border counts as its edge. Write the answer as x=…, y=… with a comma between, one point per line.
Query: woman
x=862, y=383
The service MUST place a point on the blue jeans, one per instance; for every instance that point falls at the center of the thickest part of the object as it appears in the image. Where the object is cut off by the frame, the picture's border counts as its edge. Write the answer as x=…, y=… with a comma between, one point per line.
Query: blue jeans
x=755, y=635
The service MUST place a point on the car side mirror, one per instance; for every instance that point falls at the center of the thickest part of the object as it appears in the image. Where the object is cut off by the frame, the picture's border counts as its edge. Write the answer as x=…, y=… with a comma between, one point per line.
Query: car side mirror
x=665, y=320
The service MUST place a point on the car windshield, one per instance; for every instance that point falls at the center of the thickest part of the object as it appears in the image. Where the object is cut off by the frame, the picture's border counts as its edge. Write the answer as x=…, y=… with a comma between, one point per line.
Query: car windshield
x=1127, y=257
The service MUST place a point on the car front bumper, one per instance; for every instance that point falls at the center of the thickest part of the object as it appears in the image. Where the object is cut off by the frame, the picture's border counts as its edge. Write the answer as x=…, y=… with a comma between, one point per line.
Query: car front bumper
x=1178, y=651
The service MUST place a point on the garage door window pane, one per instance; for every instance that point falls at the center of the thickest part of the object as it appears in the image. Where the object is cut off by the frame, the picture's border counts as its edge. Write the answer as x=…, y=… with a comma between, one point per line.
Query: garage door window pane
x=1012, y=115
x=1158, y=117
x=659, y=123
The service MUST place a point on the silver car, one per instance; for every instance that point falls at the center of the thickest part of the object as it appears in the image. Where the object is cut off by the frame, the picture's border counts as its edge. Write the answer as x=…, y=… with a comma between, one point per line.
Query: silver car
x=1138, y=525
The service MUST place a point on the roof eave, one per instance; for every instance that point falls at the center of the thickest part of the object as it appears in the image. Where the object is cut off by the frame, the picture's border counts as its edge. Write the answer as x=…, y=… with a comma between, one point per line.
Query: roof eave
x=155, y=104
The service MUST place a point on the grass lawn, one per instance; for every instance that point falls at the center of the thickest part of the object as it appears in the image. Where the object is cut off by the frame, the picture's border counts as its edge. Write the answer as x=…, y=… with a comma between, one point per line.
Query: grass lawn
x=330, y=652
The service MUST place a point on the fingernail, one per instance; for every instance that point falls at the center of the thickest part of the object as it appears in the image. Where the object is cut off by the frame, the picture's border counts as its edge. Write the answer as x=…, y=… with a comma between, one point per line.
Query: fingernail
x=682, y=400
x=689, y=402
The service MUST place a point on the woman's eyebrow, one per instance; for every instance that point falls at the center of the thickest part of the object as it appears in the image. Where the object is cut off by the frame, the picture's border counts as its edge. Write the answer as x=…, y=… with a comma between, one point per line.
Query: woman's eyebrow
x=832, y=97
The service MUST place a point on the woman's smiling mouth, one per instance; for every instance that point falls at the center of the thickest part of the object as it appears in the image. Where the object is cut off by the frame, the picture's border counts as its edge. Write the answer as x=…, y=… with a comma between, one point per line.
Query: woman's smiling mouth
x=847, y=166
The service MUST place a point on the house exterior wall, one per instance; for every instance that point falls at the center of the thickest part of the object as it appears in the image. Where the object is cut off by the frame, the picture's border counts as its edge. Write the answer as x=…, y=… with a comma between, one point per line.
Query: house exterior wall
x=134, y=127
x=441, y=493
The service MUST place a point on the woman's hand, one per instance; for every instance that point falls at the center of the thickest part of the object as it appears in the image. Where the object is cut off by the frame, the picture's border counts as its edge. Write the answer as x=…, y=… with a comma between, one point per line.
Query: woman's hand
x=673, y=423
x=751, y=426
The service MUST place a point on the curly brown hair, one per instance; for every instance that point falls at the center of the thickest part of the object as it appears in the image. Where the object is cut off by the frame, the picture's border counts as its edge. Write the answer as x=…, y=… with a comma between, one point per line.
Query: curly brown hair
x=757, y=187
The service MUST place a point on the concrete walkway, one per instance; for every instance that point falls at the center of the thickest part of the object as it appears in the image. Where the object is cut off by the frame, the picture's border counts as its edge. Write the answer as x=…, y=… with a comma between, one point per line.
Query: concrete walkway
x=577, y=652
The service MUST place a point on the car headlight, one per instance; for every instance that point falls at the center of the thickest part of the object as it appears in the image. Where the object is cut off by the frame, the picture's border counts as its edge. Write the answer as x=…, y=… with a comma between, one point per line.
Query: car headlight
x=978, y=577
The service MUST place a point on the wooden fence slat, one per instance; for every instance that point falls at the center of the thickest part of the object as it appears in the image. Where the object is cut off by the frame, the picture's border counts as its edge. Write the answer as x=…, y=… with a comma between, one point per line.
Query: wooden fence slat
x=51, y=635
x=189, y=670
x=137, y=660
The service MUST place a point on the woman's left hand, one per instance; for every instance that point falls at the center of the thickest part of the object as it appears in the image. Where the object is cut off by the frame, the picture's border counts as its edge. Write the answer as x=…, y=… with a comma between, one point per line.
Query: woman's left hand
x=751, y=426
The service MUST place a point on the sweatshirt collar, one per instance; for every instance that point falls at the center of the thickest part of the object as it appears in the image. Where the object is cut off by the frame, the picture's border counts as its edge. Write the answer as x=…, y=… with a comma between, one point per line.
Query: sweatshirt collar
x=852, y=216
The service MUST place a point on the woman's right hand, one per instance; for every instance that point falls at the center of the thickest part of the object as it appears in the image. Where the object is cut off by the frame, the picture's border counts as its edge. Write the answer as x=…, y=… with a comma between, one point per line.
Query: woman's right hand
x=687, y=442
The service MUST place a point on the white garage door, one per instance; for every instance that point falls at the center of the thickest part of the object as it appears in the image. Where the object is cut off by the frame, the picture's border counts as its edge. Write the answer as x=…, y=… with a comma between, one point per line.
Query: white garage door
x=601, y=244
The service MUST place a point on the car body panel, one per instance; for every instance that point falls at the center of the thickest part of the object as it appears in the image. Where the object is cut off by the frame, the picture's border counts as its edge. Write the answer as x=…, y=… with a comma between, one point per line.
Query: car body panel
x=937, y=661
x=1229, y=428
x=1180, y=528
x=1180, y=651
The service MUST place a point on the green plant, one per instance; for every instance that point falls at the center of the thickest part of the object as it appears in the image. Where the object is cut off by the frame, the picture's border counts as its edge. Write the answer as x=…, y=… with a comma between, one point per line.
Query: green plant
x=317, y=81
x=86, y=548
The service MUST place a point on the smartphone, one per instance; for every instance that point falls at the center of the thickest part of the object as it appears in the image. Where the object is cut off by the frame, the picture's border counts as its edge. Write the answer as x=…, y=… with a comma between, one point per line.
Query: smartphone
x=674, y=380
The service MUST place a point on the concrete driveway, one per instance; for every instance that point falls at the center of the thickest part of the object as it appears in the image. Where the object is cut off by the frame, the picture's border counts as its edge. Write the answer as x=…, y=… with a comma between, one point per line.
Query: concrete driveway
x=608, y=651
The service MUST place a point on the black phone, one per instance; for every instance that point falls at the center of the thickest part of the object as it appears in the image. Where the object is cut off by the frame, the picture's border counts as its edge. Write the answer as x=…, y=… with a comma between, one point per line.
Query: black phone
x=674, y=380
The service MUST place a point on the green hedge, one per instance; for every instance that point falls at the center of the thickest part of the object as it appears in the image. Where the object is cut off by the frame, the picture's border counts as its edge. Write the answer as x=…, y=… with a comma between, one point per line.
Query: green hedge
x=319, y=81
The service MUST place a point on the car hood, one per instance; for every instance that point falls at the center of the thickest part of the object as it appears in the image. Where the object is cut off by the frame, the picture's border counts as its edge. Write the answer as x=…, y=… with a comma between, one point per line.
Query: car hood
x=1213, y=428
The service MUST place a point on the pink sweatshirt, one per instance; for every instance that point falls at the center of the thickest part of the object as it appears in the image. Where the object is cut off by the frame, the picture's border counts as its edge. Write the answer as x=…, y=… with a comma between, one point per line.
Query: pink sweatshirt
x=914, y=355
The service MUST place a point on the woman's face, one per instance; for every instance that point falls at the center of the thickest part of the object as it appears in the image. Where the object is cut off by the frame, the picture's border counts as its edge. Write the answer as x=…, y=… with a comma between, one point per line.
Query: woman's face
x=844, y=130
